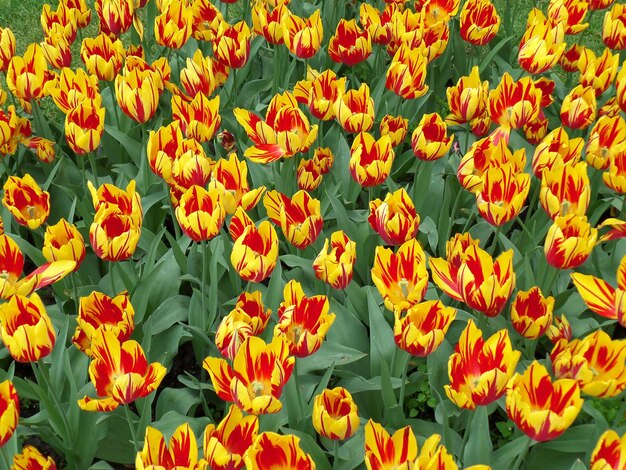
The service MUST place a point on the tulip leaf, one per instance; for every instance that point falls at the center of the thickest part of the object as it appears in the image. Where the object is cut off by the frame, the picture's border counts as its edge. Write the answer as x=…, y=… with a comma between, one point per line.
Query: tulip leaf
x=132, y=146
x=180, y=400
x=382, y=344
x=173, y=310
x=506, y=455
x=328, y=354
x=478, y=447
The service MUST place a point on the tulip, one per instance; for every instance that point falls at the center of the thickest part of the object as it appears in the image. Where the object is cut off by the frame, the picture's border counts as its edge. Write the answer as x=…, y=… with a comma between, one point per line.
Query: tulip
x=531, y=313
x=324, y=91
x=556, y=147
x=81, y=12
x=63, y=241
x=406, y=74
x=565, y=189
x=599, y=73
x=423, y=328
x=13, y=130
x=200, y=213
x=26, y=328
x=27, y=76
x=609, y=452
x=467, y=99
x=201, y=75
x=371, y=159
x=26, y=201
x=10, y=406
x=303, y=37
x=615, y=177
x=30, y=459
x=407, y=29
x=309, y=175
x=395, y=218
x=355, y=110
x=113, y=235
x=127, y=200
x=401, y=278
x=514, y=104
x=537, y=129
x=569, y=241
x=102, y=56
x=435, y=455
x=226, y=444
x=299, y=217
x=383, y=451
x=162, y=149
x=350, y=44
x=377, y=23
x=596, y=362
x=115, y=16
x=231, y=45
x=271, y=450
x=84, y=126
x=606, y=141
x=73, y=88
x=7, y=48
x=230, y=178
x=61, y=21
x=56, y=50
x=570, y=13
x=600, y=4
x=324, y=158
x=42, y=148
x=435, y=39
x=542, y=44
x=190, y=167
x=560, y=329
x=200, y=118
x=395, y=127
x=614, y=26
x=541, y=408
x=173, y=26
x=430, y=140
x=137, y=94
x=206, y=20
x=480, y=22
x=180, y=452
x=578, y=109
x=479, y=370
x=268, y=23
x=571, y=56
x=257, y=376
x=335, y=264
x=335, y=415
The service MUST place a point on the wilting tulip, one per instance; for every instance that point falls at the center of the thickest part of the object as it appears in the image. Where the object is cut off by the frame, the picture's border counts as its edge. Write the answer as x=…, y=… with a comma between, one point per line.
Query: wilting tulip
x=542, y=409
x=257, y=377
x=570, y=13
x=63, y=241
x=102, y=56
x=599, y=73
x=430, y=140
x=120, y=372
x=335, y=415
x=614, y=27
x=255, y=250
x=268, y=23
x=401, y=278
x=180, y=452
x=226, y=444
x=556, y=147
x=480, y=22
x=73, y=88
x=569, y=241
x=27, y=76
x=284, y=132
x=303, y=37
x=98, y=311
x=230, y=178
x=383, y=451
x=173, y=26
x=609, y=452
x=10, y=406
x=26, y=201
x=200, y=213
x=299, y=217
x=115, y=16
x=531, y=313
x=200, y=118
x=514, y=103
x=479, y=369
x=271, y=450
x=467, y=99
x=350, y=44
x=560, y=329
x=84, y=126
x=335, y=265
x=602, y=298
x=565, y=189
x=377, y=23
x=371, y=159
x=26, y=328
x=423, y=328
x=137, y=94
x=607, y=140
x=578, y=109
x=542, y=43
x=406, y=74
x=354, y=110
x=395, y=127
x=596, y=362
x=7, y=47
x=395, y=218
x=30, y=459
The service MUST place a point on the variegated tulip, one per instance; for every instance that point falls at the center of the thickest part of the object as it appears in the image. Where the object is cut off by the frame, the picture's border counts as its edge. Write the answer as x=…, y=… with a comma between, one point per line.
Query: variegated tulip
x=480, y=22
x=395, y=218
x=180, y=452
x=137, y=94
x=570, y=13
x=614, y=27
x=615, y=177
x=335, y=415
x=565, y=189
x=26, y=201
x=303, y=37
x=371, y=159
x=541, y=408
x=324, y=158
x=560, y=329
x=308, y=175
x=578, y=109
x=555, y=147
x=542, y=43
x=531, y=313
x=502, y=195
x=569, y=241
x=10, y=406
x=384, y=451
x=479, y=369
x=163, y=148
x=422, y=329
x=173, y=26
x=270, y=450
x=607, y=140
x=63, y=242
x=116, y=16
x=600, y=4
x=7, y=47
x=299, y=217
x=82, y=13
x=609, y=452
x=27, y=76
x=74, y=87
x=230, y=178
x=200, y=118
x=102, y=56
x=467, y=99
x=513, y=104
x=30, y=458
x=84, y=126
x=406, y=74
x=571, y=56
x=430, y=140
x=433, y=454
x=113, y=235
x=350, y=44
x=231, y=45
x=598, y=72
x=200, y=75
x=56, y=50
x=354, y=110
x=323, y=90
x=191, y=167
x=377, y=23
x=206, y=20
x=268, y=22
x=395, y=127
x=335, y=263
x=200, y=213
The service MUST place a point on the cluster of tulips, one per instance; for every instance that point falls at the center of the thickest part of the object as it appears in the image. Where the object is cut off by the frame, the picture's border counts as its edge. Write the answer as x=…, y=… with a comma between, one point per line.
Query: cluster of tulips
x=320, y=161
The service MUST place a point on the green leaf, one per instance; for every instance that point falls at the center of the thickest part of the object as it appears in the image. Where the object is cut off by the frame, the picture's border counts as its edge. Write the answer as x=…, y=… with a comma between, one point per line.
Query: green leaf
x=382, y=344
x=171, y=311
x=478, y=448
x=329, y=354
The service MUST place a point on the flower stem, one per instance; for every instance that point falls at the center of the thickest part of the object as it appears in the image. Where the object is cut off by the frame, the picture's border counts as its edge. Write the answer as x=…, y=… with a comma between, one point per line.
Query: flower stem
x=523, y=453
x=298, y=391
x=496, y=240
x=405, y=371
x=133, y=431
x=335, y=454
x=92, y=164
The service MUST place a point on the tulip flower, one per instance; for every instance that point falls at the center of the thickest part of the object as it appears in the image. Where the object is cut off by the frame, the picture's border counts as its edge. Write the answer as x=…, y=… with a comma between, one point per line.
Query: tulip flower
x=407, y=29
x=26, y=328
x=27, y=76
x=102, y=56
x=377, y=23
x=596, y=362
x=127, y=200
x=81, y=12
x=479, y=370
x=137, y=94
x=578, y=109
x=56, y=50
x=60, y=21
x=173, y=26
x=62, y=242
x=433, y=454
x=230, y=178
x=569, y=241
x=324, y=158
x=309, y=175
x=350, y=44
x=335, y=264
x=615, y=177
x=113, y=235
x=84, y=126
x=30, y=459
x=335, y=415
x=200, y=118
x=571, y=56
x=480, y=22
x=299, y=217
x=609, y=452
x=406, y=74
x=435, y=39
x=255, y=251
x=270, y=450
x=42, y=148
x=354, y=110
x=26, y=201
x=200, y=213
x=423, y=328
x=371, y=159
x=541, y=408
x=556, y=147
x=395, y=218
x=614, y=26
x=120, y=372
x=206, y=20
x=201, y=75
x=322, y=92
x=180, y=452
x=514, y=103
x=115, y=16
x=565, y=189
x=542, y=43
x=303, y=37
x=430, y=140
x=598, y=72
x=7, y=47
x=73, y=88
x=226, y=444
x=10, y=406
x=531, y=313
x=502, y=195
x=570, y=13
x=190, y=167
x=163, y=148
x=231, y=45
x=606, y=141
x=268, y=23
x=257, y=376
x=600, y=4
x=385, y=451
x=401, y=278
x=395, y=127
x=97, y=312
x=560, y=329
x=284, y=132
x=467, y=99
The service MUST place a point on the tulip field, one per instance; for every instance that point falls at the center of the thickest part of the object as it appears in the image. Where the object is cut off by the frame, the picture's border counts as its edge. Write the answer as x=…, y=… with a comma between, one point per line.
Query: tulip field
x=313, y=234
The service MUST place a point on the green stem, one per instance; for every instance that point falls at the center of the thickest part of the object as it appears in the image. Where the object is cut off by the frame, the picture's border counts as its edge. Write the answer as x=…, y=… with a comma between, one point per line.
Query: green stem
x=116, y=119
x=41, y=373
x=177, y=231
x=405, y=371
x=531, y=347
x=92, y=164
x=549, y=278
x=496, y=240
x=466, y=134
x=277, y=65
x=205, y=272
x=112, y=277
x=523, y=453
x=298, y=390
x=133, y=430
x=4, y=453
x=335, y=454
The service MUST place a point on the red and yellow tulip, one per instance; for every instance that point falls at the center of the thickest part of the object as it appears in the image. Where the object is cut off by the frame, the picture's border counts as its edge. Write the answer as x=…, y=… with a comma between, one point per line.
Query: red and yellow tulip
x=230, y=178
x=560, y=329
x=335, y=415
x=180, y=452
x=84, y=126
x=354, y=110
x=406, y=74
x=422, y=329
x=200, y=213
x=609, y=452
x=268, y=23
x=569, y=241
x=30, y=459
x=542, y=44
x=430, y=140
x=299, y=217
x=102, y=56
x=116, y=16
x=350, y=44
x=303, y=37
x=467, y=99
x=206, y=20
x=598, y=72
x=556, y=147
x=371, y=159
x=231, y=45
x=614, y=27
x=335, y=263
x=200, y=118
x=531, y=313
x=320, y=91
x=270, y=450
x=606, y=141
x=7, y=47
x=173, y=26
x=63, y=242
x=395, y=127
x=513, y=104
x=502, y=195
x=74, y=87
x=10, y=406
x=137, y=94
x=26, y=201
x=201, y=75
x=385, y=451
x=578, y=109
x=27, y=76
x=480, y=22
x=395, y=218
x=565, y=189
